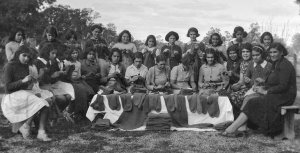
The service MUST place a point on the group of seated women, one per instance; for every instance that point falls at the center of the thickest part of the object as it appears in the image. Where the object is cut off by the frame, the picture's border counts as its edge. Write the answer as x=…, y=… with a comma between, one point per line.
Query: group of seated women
x=64, y=77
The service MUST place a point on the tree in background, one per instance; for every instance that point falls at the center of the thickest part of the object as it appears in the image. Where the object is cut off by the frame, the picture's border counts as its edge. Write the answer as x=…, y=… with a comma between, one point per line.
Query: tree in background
x=254, y=34
x=212, y=30
x=21, y=13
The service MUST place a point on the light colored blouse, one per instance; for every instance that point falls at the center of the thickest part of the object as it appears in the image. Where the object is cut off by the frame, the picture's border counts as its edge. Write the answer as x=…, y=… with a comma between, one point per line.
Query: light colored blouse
x=10, y=49
x=211, y=73
x=155, y=76
x=134, y=71
x=182, y=77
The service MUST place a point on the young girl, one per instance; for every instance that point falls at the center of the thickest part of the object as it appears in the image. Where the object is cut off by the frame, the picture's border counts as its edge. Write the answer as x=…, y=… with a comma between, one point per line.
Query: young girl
x=257, y=72
x=50, y=37
x=211, y=73
x=83, y=91
x=21, y=104
x=113, y=75
x=99, y=45
x=215, y=42
x=193, y=45
x=239, y=36
x=16, y=39
x=239, y=89
x=71, y=41
x=52, y=72
x=172, y=51
x=233, y=64
x=126, y=46
x=266, y=40
x=90, y=70
x=150, y=51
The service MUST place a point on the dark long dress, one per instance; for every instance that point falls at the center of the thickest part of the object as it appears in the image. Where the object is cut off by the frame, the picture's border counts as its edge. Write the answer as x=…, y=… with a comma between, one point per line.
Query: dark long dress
x=264, y=111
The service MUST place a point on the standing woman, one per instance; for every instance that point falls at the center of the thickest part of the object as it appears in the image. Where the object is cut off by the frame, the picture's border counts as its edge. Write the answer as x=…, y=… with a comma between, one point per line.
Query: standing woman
x=171, y=51
x=150, y=51
x=71, y=41
x=99, y=45
x=126, y=46
x=50, y=37
x=280, y=90
x=215, y=42
x=16, y=39
x=193, y=45
x=239, y=35
x=21, y=104
x=266, y=40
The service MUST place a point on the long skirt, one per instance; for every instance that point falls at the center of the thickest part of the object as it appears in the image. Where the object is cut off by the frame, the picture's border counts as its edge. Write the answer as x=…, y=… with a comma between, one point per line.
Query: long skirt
x=264, y=112
x=19, y=106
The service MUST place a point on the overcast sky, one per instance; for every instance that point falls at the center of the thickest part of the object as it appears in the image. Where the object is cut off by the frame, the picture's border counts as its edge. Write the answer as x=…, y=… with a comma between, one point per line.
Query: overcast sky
x=158, y=17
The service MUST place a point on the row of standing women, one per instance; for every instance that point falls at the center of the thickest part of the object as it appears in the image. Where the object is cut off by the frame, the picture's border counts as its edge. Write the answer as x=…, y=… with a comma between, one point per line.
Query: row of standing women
x=60, y=77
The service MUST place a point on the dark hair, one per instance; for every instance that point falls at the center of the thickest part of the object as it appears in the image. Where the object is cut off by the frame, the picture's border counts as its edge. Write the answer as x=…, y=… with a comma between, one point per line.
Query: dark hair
x=170, y=34
x=23, y=49
x=113, y=51
x=52, y=30
x=235, y=48
x=266, y=34
x=138, y=55
x=46, y=49
x=202, y=46
x=280, y=47
x=70, y=52
x=150, y=37
x=187, y=59
x=247, y=46
x=261, y=50
x=69, y=35
x=122, y=33
x=96, y=26
x=161, y=57
x=87, y=51
x=237, y=29
x=194, y=30
x=13, y=33
x=210, y=51
x=219, y=37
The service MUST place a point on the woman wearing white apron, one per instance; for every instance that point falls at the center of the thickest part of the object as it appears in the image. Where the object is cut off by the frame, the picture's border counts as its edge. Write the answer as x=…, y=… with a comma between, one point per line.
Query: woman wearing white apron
x=20, y=103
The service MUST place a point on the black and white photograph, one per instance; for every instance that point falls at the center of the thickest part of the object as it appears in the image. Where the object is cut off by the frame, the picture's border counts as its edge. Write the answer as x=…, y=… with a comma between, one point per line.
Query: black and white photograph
x=149, y=76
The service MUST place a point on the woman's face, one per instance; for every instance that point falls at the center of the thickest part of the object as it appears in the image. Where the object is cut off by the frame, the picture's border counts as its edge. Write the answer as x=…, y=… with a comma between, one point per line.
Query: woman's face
x=215, y=40
x=232, y=55
x=267, y=40
x=256, y=56
x=90, y=56
x=74, y=55
x=125, y=38
x=275, y=54
x=200, y=54
x=161, y=65
x=239, y=36
x=172, y=39
x=50, y=37
x=193, y=35
x=115, y=58
x=246, y=54
x=151, y=42
x=96, y=33
x=24, y=58
x=18, y=37
x=52, y=55
x=210, y=59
